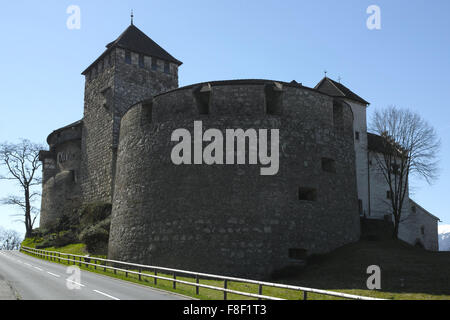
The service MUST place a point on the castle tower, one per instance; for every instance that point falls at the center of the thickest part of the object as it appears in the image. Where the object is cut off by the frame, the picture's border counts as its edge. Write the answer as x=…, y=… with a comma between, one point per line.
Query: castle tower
x=358, y=106
x=132, y=68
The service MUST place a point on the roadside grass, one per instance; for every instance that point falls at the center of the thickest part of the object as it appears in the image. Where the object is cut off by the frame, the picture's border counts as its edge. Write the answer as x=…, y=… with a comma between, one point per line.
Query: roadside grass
x=184, y=289
x=320, y=274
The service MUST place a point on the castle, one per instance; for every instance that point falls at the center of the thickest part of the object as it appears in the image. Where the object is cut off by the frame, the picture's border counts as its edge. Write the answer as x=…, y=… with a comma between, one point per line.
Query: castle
x=210, y=218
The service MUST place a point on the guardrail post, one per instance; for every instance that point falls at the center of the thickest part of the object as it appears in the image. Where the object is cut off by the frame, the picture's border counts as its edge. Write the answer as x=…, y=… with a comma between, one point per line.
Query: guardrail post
x=260, y=291
x=59, y=257
x=126, y=272
x=95, y=264
x=140, y=276
x=156, y=280
x=174, y=282
x=197, y=281
x=305, y=295
x=79, y=263
x=225, y=285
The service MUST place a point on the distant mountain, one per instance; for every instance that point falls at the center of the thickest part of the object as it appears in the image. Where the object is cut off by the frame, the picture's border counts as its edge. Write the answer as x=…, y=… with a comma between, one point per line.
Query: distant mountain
x=444, y=241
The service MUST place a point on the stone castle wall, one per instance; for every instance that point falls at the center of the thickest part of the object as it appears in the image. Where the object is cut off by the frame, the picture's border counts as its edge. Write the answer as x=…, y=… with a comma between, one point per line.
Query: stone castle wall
x=228, y=219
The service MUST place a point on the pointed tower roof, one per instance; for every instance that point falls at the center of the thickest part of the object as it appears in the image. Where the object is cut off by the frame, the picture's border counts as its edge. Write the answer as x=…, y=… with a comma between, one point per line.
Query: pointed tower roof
x=135, y=40
x=334, y=88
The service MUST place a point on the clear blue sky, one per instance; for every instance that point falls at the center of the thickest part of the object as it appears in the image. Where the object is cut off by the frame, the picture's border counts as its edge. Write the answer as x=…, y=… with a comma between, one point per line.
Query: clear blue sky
x=406, y=63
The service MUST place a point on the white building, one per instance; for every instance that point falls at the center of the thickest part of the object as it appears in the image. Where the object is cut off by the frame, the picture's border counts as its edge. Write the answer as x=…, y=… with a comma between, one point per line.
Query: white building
x=417, y=226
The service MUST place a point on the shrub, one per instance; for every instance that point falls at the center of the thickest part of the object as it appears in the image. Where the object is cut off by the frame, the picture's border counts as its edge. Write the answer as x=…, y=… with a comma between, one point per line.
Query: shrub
x=96, y=237
x=93, y=213
x=64, y=238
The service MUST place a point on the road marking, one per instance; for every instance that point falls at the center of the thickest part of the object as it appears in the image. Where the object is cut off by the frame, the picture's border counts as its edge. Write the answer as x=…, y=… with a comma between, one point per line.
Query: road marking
x=106, y=295
x=55, y=275
x=79, y=284
x=38, y=268
x=27, y=264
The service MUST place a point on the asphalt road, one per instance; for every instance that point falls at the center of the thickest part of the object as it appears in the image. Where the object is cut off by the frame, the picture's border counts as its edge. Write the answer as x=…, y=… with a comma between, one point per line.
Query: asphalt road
x=36, y=279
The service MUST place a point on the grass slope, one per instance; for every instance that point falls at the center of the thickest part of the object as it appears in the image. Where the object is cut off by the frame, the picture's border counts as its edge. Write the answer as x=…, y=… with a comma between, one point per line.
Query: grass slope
x=425, y=274
x=407, y=272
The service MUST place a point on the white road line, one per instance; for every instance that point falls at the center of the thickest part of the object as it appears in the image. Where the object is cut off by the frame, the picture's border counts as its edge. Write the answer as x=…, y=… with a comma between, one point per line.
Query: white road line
x=27, y=264
x=79, y=284
x=106, y=295
x=55, y=275
x=38, y=269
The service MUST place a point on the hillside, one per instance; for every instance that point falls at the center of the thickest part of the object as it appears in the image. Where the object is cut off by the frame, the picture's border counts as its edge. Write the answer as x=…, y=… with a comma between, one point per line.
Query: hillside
x=404, y=268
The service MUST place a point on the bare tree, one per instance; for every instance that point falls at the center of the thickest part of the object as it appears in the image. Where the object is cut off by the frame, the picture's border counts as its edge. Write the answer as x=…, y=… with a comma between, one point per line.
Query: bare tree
x=409, y=146
x=21, y=161
x=9, y=239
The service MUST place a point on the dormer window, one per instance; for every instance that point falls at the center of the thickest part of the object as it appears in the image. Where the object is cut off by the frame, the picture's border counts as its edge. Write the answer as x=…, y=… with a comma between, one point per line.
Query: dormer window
x=128, y=57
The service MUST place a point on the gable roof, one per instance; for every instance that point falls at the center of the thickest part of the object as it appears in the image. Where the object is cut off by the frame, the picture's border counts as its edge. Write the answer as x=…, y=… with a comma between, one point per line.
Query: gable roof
x=135, y=40
x=337, y=89
x=413, y=203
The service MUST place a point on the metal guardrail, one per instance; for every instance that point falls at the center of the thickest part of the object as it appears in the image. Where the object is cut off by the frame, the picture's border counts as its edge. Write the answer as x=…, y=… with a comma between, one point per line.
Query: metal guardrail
x=87, y=261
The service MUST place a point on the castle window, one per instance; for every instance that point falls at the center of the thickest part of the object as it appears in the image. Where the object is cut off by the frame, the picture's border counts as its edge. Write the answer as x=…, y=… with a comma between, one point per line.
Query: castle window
x=128, y=57
x=413, y=209
x=388, y=195
x=273, y=94
x=338, y=113
x=360, y=206
x=154, y=63
x=166, y=67
x=307, y=194
x=356, y=135
x=74, y=176
x=422, y=230
x=328, y=165
x=297, y=254
x=141, y=61
x=202, y=97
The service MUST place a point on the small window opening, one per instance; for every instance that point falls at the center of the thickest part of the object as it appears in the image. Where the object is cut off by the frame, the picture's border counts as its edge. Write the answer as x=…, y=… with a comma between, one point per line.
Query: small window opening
x=274, y=94
x=202, y=96
x=338, y=114
x=388, y=195
x=328, y=165
x=307, y=194
x=128, y=57
x=356, y=135
x=422, y=230
x=166, y=67
x=154, y=64
x=141, y=61
x=298, y=254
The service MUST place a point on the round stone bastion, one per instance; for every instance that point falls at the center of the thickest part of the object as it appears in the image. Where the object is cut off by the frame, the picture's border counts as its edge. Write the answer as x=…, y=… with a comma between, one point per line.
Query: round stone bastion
x=230, y=219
